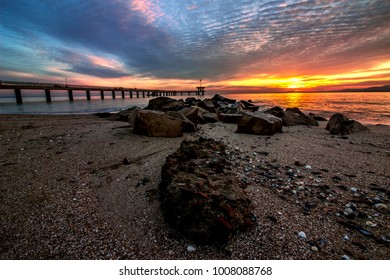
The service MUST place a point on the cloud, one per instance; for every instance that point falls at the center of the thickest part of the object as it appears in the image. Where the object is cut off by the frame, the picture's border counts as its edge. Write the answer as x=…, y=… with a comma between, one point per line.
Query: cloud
x=199, y=38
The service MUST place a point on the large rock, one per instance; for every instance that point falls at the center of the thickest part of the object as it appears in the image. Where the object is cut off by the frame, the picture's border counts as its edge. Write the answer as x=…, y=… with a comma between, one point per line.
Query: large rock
x=125, y=114
x=200, y=196
x=157, y=124
x=159, y=102
x=219, y=98
x=201, y=112
x=210, y=117
x=189, y=126
x=276, y=111
x=191, y=113
x=294, y=117
x=174, y=105
x=230, y=118
x=208, y=104
x=340, y=124
x=133, y=117
x=246, y=106
x=259, y=123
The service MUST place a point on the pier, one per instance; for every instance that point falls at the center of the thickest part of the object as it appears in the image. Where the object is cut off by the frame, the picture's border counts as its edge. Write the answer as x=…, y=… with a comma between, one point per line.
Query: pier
x=120, y=92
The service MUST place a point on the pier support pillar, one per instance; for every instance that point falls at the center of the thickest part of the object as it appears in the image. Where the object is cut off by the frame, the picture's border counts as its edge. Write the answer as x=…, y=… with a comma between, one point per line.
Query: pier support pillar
x=18, y=95
x=137, y=94
x=70, y=95
x=88, y=95
x=143, y=94
x=102, y=94
x=131, y=93
x=113, y=94
x=48, y=96
x=123, y=94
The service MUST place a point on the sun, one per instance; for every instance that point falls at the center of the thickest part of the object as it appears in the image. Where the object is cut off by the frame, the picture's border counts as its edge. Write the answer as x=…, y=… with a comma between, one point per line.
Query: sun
x=295, y=83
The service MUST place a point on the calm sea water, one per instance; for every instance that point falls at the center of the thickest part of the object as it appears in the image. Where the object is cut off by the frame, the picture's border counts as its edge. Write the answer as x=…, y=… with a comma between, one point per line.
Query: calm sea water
x=366, y=107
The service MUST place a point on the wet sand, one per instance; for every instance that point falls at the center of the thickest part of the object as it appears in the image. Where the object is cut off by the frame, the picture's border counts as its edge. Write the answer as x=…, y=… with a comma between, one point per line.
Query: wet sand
x=67, y=192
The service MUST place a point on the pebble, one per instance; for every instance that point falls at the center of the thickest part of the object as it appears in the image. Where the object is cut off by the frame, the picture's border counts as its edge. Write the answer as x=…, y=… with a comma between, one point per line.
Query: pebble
x=307, y=166
x=302, y=235
x=301, y=188
x=380, y=206
x=370, y=224
x=346, y=238
x=354, y=189
x=345, y=257
x=191, y=248
x=323, y=195
x=314, y=248
x=348, y=211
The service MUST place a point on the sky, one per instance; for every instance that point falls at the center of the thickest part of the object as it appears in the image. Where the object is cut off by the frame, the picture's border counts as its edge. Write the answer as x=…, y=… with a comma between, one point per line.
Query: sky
x=232, y=45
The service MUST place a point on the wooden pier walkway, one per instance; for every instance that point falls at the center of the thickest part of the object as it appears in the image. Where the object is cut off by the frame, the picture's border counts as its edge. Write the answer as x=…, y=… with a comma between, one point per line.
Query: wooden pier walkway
x=48, y=88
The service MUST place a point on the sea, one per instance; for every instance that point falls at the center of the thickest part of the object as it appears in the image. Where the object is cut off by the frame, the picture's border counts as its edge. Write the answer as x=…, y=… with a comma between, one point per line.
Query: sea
x=366, y=107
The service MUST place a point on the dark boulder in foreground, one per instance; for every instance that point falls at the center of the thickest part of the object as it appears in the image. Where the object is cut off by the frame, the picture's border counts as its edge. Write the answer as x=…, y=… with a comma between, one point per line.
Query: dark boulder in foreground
x=259, y=123
x=157, y=124
x=200, y=196
x=340, y=124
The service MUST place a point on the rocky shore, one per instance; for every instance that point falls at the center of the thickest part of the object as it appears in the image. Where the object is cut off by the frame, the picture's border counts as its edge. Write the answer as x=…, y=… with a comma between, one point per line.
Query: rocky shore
x=84, y=187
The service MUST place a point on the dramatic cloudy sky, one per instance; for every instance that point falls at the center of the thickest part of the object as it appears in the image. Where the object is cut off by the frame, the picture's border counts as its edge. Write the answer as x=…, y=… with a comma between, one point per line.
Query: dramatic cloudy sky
x=230, y=44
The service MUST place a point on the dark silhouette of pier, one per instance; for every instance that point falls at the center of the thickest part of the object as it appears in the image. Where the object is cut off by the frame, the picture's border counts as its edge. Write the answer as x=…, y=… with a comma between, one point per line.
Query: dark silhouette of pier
x=123, y=91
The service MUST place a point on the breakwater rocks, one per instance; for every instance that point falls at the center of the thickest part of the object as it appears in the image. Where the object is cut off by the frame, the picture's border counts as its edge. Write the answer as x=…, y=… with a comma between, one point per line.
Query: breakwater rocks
x=167, y=117
x=201, y=196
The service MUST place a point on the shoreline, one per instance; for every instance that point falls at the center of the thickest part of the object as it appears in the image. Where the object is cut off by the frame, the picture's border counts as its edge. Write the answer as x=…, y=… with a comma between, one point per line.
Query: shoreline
x=77, y=199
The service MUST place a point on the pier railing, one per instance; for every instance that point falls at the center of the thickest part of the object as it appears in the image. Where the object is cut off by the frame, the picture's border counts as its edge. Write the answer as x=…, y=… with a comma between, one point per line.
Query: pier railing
x=48, y=87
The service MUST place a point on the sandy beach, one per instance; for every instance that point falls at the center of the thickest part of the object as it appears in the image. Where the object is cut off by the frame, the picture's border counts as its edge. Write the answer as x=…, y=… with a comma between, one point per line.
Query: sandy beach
x=67, y=192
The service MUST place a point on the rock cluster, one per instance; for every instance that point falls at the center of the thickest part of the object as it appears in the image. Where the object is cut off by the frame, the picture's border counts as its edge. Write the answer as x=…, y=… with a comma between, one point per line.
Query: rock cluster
x=292, y=116
x=201, y=196
x=169, y=117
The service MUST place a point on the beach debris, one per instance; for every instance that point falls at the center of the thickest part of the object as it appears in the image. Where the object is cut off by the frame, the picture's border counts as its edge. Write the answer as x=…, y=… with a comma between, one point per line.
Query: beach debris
x=259, y=123
x=340, y=124
x=201, y=196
